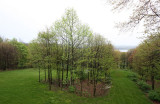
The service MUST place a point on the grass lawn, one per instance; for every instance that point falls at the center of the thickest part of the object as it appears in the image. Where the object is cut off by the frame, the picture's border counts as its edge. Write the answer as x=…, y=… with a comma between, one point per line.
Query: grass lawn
x=22, y=87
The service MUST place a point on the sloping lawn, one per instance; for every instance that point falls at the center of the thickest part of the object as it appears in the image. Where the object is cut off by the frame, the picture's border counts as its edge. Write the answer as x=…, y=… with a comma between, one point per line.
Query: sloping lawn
x=124, y=91
x=22, y=87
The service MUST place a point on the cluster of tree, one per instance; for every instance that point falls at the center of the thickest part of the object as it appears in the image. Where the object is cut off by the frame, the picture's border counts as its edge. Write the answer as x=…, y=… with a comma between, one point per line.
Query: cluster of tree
x=13, y=54
x=117, y=55
x=70, y=48
x=145, y=59
x=121, y=59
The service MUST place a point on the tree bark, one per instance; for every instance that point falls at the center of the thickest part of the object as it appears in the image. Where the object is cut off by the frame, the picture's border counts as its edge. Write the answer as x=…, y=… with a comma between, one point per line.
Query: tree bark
x=153, y=82
x=39, y=74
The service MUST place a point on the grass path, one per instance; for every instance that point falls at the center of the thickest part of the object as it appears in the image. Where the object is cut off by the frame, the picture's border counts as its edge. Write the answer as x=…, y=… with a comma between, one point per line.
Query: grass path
x=125, y=91
x=22, y=87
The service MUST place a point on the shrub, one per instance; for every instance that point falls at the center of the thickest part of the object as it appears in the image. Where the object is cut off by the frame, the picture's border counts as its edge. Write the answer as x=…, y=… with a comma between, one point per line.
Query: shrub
x=133, y=77
x=153, y=95
x=72, y=89
x=144, y=86
x=157, y=77
x=81, y=74
x=108, y=79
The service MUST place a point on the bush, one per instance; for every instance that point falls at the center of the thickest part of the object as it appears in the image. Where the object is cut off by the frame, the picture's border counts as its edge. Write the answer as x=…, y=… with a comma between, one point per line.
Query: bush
x=81, y=74
x=133, y=77
x=157, y=77
x=65, y=82
x=153, y=95
x=108, y=79
x=72, y=89
x=144, y=86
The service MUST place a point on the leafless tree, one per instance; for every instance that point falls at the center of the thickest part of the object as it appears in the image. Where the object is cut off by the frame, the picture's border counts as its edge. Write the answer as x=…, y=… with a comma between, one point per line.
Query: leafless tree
x=146, y=11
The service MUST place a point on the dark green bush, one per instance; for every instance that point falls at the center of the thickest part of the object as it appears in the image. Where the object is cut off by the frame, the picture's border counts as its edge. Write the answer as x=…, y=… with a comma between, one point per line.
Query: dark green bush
x=144, y=86
x=133, y=77
x=153, y=95
x=81, y=74
x=65, y=82
x=71, y=89
x=157, y=77
x=108, y=79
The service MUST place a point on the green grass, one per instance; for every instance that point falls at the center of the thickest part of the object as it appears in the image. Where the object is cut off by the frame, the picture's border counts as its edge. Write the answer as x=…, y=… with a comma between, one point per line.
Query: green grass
x=22, y=87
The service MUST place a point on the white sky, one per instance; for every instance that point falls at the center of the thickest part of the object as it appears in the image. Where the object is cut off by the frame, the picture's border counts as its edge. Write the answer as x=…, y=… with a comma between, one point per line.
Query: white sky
x=23, y=19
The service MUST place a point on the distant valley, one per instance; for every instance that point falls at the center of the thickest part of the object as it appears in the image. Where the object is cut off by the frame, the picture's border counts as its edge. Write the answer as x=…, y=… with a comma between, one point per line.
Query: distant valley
x=124, y=48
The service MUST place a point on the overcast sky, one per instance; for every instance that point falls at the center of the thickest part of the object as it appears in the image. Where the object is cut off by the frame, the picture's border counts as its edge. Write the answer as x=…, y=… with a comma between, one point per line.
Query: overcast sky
x=23, y=19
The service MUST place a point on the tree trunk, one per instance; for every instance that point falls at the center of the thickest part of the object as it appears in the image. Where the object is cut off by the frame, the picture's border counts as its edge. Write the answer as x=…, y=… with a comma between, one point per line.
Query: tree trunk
x=51, y=74
x=62, y=73
x=88, y=78
x=105, y=76
x=94, y=84
x=45, y=74
x=153, y=81
x=39, y=74
x=94, y=94
x=81, y=88
x=67, y=68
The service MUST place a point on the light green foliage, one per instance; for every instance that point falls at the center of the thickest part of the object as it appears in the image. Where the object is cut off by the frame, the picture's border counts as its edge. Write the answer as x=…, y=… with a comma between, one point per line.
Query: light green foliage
x=39, y=48
x=22, y=51
x=35, y=51
x=108, y=61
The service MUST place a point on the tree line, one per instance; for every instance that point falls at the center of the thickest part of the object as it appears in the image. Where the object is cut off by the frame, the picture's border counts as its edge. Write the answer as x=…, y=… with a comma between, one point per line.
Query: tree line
x=13, y=54
x=145, y=59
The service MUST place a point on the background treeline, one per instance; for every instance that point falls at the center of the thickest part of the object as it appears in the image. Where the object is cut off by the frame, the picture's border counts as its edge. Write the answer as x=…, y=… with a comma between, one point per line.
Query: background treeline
x=145, y=59
x=13, y=54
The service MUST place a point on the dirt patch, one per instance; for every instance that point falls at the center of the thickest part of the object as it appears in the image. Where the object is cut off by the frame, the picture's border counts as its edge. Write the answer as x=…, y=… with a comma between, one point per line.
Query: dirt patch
x=157, y=83
x=87, y=88
x=156, y=102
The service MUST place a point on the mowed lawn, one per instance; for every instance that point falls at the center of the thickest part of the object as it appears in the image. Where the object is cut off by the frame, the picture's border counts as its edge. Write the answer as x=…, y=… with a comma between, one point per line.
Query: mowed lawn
x=22, y=87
